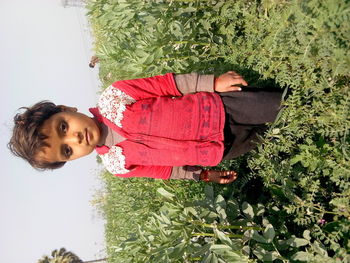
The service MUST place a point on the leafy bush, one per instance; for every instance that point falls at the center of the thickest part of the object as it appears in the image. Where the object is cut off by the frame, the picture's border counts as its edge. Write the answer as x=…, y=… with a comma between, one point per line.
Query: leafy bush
x=127, y=203
x=218, y=230
x=301, y=171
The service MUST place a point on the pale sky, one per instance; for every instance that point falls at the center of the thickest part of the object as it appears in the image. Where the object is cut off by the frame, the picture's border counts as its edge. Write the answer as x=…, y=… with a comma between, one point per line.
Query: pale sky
x=45, y=50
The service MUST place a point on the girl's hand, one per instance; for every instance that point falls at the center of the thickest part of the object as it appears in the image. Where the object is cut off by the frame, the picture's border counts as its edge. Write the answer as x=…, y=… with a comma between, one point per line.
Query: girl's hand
x=228, y=82
x=220, y=177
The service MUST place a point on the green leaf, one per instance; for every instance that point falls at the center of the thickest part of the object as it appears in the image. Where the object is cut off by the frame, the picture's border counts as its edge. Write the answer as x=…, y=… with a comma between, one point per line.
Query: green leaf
x=165, y=193
x=200, y=250
x=227, y=253
x=219, y=248
x=264, y=255
x=257, y=237
x=209, y=192
x=301, y=256
x=191, y=210
x=277, y=190
x=260, y=210
x=210, y=258
x=306, y=235
x=248, y=234
x=220, y=206
x=205, y=23
x=246, y=250
x=178, y=251
x=185, y=10
x=149, y=59
x=320, y=250
x=209, y=216
x=220, y=202
x=214, y=259
x=141, y=53
x=176, y=29
x=223, y=238
x=248, y=210
x=295, y=159
x=270, y=256
x=269, y=233
x=233, y=256
x=275, y=131
x=297, y=242
x=158, y=53
x=232, y=209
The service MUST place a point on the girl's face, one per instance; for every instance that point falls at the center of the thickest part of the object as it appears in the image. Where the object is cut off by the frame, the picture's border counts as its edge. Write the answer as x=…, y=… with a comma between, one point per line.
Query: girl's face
x=71, y=135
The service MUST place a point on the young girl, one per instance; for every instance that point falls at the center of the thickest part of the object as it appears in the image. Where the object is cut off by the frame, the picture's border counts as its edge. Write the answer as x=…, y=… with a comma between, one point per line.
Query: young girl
x=162, y=127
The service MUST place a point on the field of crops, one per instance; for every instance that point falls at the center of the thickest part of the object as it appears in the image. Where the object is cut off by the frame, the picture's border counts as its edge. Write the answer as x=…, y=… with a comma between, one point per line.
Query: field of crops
x=291, y=201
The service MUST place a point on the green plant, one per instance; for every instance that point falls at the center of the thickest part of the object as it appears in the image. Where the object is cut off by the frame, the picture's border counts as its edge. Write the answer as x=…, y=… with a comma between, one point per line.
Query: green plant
x=187, y=232
x=300, y=173
x=201, y=231
x=63, y=256
x=127, y=203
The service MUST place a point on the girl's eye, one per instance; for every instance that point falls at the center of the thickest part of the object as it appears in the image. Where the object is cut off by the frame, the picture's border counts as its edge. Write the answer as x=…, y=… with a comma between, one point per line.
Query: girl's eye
x=63, y=127
x=67, y=151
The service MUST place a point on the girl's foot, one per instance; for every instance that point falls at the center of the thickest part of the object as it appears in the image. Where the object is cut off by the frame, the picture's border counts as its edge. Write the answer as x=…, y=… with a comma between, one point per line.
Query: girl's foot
x=220, y=177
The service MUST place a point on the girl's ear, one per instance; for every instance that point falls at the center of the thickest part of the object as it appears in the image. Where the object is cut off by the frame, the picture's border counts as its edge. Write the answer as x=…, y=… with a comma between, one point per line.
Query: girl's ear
x=67, y=109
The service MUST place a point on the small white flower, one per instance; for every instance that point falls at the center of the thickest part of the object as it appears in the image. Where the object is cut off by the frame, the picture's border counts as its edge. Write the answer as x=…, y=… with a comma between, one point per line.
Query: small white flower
x=176, y=46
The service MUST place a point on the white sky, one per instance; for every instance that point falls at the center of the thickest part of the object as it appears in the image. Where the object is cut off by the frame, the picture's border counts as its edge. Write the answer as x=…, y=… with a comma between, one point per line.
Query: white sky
x=45, y=50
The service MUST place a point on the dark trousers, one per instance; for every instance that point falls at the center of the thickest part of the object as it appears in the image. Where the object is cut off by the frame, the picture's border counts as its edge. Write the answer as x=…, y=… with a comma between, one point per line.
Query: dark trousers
x=247, y=113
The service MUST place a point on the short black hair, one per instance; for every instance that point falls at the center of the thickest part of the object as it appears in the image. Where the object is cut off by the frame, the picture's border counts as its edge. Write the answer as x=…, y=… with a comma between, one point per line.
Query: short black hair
x=27, y=140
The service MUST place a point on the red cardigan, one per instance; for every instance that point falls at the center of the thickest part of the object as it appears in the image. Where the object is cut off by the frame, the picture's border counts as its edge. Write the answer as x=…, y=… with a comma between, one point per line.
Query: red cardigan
x=162, y=128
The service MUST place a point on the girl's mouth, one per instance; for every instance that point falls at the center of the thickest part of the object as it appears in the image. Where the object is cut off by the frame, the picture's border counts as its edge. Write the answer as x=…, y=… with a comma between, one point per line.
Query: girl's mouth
x=87, y=137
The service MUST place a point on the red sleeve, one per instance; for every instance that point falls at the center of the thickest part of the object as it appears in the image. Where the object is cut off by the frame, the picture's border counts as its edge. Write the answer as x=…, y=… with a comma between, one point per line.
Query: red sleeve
x=157, y=172
x=157, y=86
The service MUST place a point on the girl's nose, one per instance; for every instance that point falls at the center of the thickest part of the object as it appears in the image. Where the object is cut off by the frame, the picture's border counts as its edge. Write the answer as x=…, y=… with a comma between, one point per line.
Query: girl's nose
x=77, y=137
x=80, y=137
